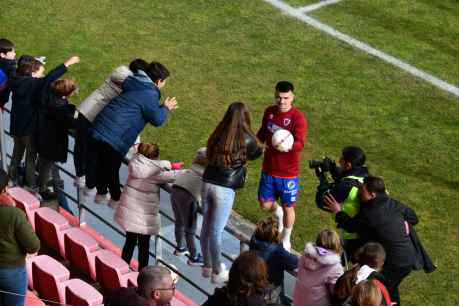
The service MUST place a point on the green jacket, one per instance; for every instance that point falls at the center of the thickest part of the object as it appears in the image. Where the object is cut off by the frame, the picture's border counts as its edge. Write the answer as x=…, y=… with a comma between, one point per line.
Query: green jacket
x=16, y=237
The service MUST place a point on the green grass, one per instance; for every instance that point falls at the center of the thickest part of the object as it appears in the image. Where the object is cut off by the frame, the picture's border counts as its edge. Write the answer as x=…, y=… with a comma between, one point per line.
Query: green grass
x=300, y=3
x=423, y=33
x=237, y=50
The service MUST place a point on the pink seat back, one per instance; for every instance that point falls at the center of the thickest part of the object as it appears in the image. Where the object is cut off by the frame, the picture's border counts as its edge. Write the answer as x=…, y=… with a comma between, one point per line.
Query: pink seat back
x=80, y=293
x=48, y=274
x=109, y=269
x=33, y=300
x=49, y=225
x=78, y=247
x=25, y=201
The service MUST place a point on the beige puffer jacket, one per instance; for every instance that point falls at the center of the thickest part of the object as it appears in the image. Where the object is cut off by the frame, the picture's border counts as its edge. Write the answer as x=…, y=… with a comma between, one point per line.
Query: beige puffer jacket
x=111, y=88
x=138, y=211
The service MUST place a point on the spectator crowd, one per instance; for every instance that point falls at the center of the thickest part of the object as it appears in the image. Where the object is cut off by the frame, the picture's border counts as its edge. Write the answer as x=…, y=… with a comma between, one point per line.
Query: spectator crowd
x=362, y=262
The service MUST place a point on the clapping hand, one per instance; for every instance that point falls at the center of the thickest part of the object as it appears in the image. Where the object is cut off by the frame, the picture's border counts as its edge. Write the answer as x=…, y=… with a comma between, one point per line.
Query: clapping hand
x=170, y=103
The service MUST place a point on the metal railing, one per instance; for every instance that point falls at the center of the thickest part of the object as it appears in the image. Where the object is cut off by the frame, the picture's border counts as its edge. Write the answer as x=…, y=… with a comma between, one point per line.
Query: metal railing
x=158, y=239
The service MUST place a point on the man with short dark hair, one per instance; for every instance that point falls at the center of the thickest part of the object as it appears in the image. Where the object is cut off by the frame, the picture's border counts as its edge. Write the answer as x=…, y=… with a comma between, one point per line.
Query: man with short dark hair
x=345, y=190
x=155, y=287
x=279, y=176
x=381, y=219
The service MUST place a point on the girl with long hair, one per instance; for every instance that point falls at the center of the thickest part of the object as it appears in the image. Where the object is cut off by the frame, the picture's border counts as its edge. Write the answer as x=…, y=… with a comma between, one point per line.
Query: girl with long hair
x=247, y=284
x=228, y=149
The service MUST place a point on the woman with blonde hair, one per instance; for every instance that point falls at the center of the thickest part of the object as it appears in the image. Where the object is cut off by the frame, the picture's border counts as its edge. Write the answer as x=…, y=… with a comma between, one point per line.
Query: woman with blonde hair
x=229, y=148
x=319, y=268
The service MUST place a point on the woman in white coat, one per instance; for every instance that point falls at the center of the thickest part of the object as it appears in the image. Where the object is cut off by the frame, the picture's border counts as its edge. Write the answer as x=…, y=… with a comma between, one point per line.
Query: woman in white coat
x=138, y=211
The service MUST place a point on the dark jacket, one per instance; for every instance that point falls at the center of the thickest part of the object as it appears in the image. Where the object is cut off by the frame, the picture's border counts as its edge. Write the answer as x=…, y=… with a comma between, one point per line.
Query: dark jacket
x=26, y=100
x=277, y=259
x=17, y=237
x=125, y=297
x=221, y=298
x=383, y=220
x=9, y=69
x=122, y=120
x=55, y=118
x=423, y=260
x=233, y=177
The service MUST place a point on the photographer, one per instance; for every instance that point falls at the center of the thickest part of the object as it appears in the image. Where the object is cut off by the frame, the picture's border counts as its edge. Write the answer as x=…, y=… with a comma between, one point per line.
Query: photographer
x=386, y=221
x=345, y=189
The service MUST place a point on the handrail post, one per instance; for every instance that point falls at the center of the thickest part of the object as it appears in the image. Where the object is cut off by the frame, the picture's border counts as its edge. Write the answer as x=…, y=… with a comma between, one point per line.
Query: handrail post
x=81, y=213
x=2, y=141
x=158, y=248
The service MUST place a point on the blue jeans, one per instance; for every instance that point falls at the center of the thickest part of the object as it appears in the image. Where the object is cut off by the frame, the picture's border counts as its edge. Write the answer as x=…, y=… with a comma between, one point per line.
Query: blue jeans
x=217, y=202
x=13, y=280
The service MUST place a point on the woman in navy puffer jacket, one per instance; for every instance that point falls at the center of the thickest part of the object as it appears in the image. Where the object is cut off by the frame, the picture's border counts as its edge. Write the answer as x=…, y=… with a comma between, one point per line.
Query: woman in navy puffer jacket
x=117, y=126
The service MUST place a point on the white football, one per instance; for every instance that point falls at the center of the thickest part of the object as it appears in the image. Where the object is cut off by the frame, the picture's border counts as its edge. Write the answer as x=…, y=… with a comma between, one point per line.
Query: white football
x=282, y=140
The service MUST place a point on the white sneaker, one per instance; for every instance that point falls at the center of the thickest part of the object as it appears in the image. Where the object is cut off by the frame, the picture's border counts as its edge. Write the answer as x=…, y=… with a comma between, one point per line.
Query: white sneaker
x=287, y=245
x=206, y=272
x=90, y=191
x=113, y=204
x=79, y=181
x=88, y=194
x=222, y=277
x=102, y=199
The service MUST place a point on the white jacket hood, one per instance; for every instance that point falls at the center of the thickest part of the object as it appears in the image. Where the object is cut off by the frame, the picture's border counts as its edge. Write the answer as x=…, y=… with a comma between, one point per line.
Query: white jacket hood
x=315, y=257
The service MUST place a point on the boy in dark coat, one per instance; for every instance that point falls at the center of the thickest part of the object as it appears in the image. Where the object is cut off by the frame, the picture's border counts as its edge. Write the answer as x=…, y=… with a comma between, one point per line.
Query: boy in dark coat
x=27, y=85
x=7, y=67
x=56, y=117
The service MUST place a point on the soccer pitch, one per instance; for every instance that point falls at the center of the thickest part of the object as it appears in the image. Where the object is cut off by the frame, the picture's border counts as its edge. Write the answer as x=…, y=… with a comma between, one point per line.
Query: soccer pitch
x=222, y=51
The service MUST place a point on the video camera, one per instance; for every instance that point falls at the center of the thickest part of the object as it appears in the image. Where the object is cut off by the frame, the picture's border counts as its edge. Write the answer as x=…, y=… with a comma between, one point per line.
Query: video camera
x=321, y=167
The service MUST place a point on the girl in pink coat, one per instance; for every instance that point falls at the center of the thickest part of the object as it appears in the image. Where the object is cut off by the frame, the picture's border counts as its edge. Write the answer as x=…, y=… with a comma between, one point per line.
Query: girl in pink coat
x=318, y=270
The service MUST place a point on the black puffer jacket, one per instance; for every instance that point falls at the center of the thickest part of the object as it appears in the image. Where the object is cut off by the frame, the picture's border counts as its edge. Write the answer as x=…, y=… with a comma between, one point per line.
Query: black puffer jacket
x=382, y=220
x=233, y=177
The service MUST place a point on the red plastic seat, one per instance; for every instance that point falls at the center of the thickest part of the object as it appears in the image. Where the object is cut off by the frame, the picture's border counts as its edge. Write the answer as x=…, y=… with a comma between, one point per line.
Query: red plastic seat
x=112, y=272
x=81, y=250
x=30, y=258
x=80, y=293
x=49, y=278
x=26, y=202
x=33, y=300
x=50, y=227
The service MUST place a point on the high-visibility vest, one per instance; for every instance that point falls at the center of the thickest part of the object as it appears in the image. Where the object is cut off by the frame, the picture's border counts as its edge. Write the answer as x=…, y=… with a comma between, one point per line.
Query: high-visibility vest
x=351, y=205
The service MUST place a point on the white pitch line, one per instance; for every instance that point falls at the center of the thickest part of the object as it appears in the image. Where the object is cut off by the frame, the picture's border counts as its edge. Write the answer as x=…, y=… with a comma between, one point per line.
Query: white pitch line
x=316, y=6
x=298, y=14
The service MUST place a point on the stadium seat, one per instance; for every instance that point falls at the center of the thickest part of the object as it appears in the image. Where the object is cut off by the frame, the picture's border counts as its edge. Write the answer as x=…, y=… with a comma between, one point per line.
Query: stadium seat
x=50, y=227
x=26, y=202
x=132, y=279
x=33, y=300
x=80, y=293
x=112, y=272
x=81, y=250
x=49, y=278
x=30, y=258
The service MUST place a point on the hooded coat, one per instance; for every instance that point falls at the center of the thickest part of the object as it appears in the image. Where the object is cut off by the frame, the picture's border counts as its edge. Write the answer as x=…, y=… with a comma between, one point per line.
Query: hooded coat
x=112, y=87
x=318, y=271
x=138, y=211
x=122, y=120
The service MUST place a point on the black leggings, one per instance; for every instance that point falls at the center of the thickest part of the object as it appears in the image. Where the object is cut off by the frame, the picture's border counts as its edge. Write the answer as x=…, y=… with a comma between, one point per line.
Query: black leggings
x=107, y=170
x=144, y=248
